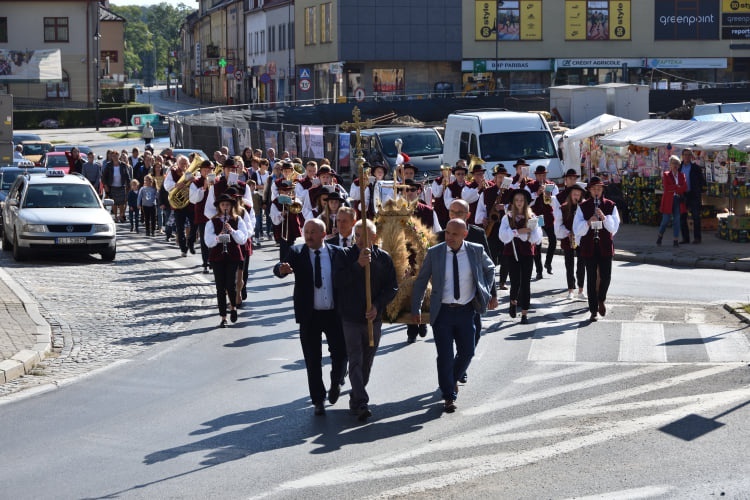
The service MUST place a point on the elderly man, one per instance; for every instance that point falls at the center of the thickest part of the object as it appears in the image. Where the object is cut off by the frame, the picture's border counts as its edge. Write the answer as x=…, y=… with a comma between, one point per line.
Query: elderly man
x=462, y=279
x=351, y=305
x=314, y=266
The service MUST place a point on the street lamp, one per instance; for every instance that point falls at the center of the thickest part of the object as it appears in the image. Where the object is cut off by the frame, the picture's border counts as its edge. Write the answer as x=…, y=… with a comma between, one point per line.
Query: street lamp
x=97, y=37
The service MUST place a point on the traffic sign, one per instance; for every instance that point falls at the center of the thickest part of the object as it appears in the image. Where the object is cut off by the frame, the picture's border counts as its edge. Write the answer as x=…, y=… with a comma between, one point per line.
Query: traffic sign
x=359, y=94
x=138, y=120
x=304, y=73
x=305, y=84
x=238, y=75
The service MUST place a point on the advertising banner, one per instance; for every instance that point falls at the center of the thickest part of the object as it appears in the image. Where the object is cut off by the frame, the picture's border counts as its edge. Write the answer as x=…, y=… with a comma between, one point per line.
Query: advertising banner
x=507, y=20
x=597, y=20
x=30, y=65
x=686, y=20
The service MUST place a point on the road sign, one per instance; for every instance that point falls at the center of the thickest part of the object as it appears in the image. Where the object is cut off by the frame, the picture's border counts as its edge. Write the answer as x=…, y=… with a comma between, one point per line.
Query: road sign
x=238, y=75
x=304, y=73
x=359, y=94
x=139, y=120
x=305, y=84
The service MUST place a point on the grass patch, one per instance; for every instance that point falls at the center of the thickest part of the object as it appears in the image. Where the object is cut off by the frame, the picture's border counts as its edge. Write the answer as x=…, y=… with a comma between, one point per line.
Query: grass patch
x=124, y=135
x=746, y=308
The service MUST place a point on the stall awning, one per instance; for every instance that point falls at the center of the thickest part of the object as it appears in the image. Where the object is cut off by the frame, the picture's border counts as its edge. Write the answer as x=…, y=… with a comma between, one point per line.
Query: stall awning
x=742, y=117
x=707, y=136
x=602, y=124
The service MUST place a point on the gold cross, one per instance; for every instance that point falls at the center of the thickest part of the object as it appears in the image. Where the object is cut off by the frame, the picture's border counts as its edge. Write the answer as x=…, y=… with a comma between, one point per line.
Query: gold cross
x=357, y=125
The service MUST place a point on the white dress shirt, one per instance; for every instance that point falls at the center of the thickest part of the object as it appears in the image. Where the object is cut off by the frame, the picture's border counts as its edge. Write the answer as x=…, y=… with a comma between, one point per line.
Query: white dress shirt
x=323, y=296
x=467, y=285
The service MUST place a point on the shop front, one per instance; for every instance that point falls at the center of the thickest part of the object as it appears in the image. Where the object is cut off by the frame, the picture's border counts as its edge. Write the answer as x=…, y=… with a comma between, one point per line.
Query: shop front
x=513, y=76
x=597, y=70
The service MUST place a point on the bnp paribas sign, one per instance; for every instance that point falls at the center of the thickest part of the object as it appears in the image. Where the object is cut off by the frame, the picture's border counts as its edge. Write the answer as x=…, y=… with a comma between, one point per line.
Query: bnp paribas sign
x=687, y=19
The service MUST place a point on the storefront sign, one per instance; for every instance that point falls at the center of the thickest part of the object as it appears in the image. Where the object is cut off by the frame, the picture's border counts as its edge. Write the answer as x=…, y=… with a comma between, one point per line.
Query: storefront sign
x=729, y=6
x=482, y=66
x=686, y=20
x=608, y=20
x=198, y=58
x=597, y=63
x=507, y=20
x=735, y=20
x=735, y=33
x=687, y=62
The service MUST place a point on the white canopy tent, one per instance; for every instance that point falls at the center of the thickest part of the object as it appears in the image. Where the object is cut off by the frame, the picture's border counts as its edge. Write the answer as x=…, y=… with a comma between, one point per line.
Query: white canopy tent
x=706, y=136
x=602, y=124
x=742, y=116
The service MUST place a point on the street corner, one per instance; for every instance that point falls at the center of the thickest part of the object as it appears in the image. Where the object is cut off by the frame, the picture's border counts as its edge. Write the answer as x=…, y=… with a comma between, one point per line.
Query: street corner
x=738, y=309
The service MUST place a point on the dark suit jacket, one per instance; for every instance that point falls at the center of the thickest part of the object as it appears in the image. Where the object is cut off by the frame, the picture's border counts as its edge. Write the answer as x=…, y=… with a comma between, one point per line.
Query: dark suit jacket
x=299, y=258
x=697, y=180
x=476, y=235
x=334, y=240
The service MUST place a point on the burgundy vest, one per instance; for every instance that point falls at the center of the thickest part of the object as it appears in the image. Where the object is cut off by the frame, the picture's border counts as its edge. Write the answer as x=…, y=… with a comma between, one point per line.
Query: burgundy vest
x=490, y=197
x=455, y=190
x=200, y=218
x=221, y=185
x=605, y=244
x=424, y=214
x=539, y=208
x=234, y=252
x=295, y=224
x=522, y=247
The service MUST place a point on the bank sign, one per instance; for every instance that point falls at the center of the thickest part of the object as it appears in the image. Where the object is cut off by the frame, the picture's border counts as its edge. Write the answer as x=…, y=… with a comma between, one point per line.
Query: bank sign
x=686, y=20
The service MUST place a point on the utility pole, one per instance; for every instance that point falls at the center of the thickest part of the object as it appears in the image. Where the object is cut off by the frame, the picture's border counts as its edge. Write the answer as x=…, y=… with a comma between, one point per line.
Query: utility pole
x=97, y=37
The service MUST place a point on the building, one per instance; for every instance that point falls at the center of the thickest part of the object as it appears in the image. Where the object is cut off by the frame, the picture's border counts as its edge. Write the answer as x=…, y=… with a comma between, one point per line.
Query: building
x=31, y=32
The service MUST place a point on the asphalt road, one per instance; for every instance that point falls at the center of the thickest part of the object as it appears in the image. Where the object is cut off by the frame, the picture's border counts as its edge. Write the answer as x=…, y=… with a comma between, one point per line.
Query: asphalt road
x=647, y=403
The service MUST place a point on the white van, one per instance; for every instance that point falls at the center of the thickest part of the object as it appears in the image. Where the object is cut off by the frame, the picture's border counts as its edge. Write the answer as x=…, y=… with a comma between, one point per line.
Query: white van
x=502, y=137
x=423, y=145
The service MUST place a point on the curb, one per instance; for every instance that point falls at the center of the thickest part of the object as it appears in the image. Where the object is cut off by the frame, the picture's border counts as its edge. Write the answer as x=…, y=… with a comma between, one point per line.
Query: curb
x=24, y=361
x=736, y=309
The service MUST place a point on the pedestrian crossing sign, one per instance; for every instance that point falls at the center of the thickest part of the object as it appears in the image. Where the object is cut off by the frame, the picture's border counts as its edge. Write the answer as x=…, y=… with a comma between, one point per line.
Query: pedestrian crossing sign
x=304, y=73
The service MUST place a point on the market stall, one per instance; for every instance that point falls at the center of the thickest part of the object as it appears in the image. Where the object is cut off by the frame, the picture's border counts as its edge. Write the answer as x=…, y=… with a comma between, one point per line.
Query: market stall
x=580, y=142
x=641, y=154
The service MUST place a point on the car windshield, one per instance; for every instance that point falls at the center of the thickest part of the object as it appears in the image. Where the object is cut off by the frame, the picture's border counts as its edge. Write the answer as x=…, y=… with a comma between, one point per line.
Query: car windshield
x=60, y=196
x=511, y=146
x=57, y=161
x=414, y=143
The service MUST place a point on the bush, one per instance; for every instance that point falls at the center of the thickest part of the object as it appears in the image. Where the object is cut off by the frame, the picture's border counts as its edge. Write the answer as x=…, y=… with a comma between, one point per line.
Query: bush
x=112, y=122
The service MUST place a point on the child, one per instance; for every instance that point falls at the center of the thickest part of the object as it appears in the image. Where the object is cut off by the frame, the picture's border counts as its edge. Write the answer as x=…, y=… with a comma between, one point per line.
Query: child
x=133, y=215
x=147, y=201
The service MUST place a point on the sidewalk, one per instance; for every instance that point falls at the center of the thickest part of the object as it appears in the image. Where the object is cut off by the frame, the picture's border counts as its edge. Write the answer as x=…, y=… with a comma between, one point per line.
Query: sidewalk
x=25, y=337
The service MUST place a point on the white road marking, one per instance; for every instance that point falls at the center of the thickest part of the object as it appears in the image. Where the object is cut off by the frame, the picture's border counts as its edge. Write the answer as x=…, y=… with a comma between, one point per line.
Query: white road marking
x=725, y=343
x=631, y=494
x=642, y=342
x=571, y=370
x=556, y=347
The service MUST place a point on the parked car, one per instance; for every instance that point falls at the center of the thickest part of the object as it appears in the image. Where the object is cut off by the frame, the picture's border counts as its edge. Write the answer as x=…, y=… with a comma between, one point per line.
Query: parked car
x=19, y=137
x=423, y=145
x=34, y=150
x=53, y=212
x=84, y=150
x=56, y=159
x=8, y=175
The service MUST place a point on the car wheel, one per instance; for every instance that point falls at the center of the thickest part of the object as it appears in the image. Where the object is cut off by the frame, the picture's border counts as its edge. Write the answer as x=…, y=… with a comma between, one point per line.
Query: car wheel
x=18, y=254
x=109, y=254
x=7, y=245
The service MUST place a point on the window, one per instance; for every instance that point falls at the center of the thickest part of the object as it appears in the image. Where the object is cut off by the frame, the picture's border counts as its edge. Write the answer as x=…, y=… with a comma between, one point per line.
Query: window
x=257, y=44
x=3, y=30
x=325, y=23
x=263, y=42
x=55, y=29
x=270, y=39
x=282, y=36
x=291, y=35
x=59, y=90
x=310, y=25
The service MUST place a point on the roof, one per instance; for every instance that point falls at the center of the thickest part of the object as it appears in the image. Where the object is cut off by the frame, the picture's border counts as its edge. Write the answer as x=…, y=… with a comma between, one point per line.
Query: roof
x=711, y=136
x=107, y=15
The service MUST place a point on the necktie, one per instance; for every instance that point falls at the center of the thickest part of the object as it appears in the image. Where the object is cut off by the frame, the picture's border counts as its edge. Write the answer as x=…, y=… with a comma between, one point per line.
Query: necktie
x=318, y=273
x=456, y=285
x=343, y=242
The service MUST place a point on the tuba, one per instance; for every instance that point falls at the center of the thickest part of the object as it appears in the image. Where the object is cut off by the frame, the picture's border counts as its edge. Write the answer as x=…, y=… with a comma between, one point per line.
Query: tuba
x=473, y=161
x=179, y=198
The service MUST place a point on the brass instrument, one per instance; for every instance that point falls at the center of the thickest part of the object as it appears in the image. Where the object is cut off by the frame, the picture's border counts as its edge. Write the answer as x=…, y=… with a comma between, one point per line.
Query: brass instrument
x=445, y=171
x=494, y=215
x=179, y=197
x=290, y=206
x=473, y=162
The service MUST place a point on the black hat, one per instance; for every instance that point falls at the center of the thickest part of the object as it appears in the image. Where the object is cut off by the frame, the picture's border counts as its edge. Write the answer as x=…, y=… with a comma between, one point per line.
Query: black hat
x=477, y=168
x=379, y=164
x=284, y=184
x=578, y=187
x=206, y=164
x=229, y=163
x=524, y=192
x=223, y=197
x=411, y=166
x=572, y=173
x=233, y=192
x=324, y=169
x=540, y=169
x=460, y=167
x=499, y=169
x=594, y=181
x=521, y=163
x=287, y=164
x=333, y=196
x=412, y=182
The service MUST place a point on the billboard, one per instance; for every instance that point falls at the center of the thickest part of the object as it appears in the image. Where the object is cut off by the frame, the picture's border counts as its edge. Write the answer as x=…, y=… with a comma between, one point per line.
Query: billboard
x=597, y=20
x=686, y=20
x=507, y=20
x=30, y=65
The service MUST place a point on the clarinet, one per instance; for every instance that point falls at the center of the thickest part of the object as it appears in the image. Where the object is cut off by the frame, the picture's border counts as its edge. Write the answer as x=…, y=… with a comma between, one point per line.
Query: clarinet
x=225, y=249
x=596, y=231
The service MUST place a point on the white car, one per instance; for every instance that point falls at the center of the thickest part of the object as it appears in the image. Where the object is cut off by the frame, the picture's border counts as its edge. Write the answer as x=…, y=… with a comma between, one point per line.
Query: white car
x=55, y=211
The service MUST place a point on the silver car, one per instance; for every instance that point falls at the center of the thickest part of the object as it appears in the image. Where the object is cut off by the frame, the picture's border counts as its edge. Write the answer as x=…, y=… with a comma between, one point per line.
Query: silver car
x=56, y=211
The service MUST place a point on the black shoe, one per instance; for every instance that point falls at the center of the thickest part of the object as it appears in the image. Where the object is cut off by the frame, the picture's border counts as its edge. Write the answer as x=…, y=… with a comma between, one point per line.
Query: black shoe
x=363, y=414
x=320, y=409
x=512, y=310
x=685, y=242
x=696, y=242
x=205, y=269
x=333, y=393
x=463, y=378
x=223, y=323
x=549, y=270
x=539, y=276
x=243, y=294
x=192, y=250
x=410, y=339
x=658, y=241
x=233, y=315
x=676, y=243
x=593, y=317
x=449, y=406
x=524, y=320
x=422, y=330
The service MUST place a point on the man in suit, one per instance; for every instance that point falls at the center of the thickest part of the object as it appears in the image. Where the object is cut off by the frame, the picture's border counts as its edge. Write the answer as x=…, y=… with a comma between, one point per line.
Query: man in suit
x=695, y=182
x=462, y=279
x=345, y=219
x=352, y=307
x=313, y=265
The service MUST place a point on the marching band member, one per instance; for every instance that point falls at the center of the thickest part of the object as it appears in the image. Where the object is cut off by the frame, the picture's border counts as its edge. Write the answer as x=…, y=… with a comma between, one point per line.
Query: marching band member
x=595, y=224
x=569, y=180
x=521, y=179
x=471, y=192
x=454, y=189
x=542, y=193
x=328, y=184
x=198, y=195
x=287, y=226
x=438, y=193
x=247, y=213
x=225, y=233
x=490, y=211
x=574, y=271
x=330, y=211
x=230, y=177
x=369, y=201
x=410, y=171
x=383, y=188
x=520, y=232
x=173, y=180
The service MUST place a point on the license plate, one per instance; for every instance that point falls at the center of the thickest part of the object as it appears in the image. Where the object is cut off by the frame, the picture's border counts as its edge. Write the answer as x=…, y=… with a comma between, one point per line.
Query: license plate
x=71, y=240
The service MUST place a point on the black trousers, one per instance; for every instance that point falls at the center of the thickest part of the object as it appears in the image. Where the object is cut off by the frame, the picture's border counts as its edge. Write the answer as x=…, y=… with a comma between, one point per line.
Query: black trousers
x=597, y=266
x=311, y=338
x=575, y=271
x=693, y=203
x=201, y=230
x=149, y=217
x=180, y=217
x=551, y=247
x=520, y=279
x=225, y=273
